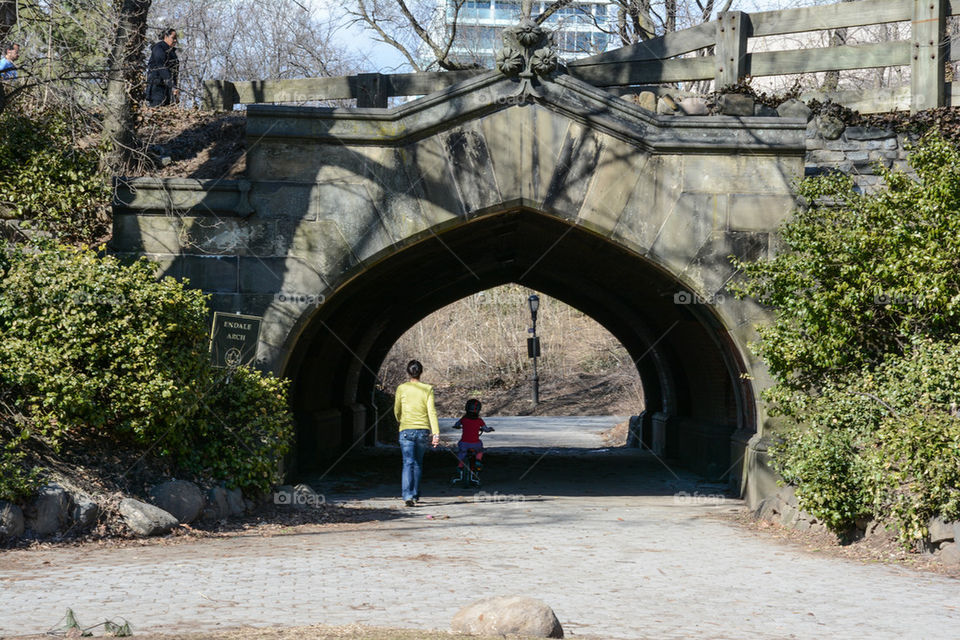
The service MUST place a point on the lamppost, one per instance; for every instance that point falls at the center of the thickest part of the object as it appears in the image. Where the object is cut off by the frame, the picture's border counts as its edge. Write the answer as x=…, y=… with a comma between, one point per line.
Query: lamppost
x=533, y=346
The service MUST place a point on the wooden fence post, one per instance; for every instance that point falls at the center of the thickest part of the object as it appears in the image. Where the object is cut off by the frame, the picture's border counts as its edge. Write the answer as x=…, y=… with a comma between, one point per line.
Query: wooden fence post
x=927, y=55
x=371, y=90
x=733, y=29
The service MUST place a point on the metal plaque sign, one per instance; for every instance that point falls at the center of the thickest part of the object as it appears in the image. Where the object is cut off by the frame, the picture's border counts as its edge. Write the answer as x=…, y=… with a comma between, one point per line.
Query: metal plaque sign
x=233, y=339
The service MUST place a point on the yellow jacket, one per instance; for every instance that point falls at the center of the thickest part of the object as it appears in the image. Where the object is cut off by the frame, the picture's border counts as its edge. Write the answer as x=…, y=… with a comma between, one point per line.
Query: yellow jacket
x=414, y=407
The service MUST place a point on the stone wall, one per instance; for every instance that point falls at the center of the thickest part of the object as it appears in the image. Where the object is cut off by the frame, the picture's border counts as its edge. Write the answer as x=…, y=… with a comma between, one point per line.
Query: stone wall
x=855, y=151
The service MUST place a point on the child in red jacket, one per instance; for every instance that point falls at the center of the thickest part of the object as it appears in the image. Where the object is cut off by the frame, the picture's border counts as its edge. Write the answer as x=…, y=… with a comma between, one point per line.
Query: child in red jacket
x=472, y=426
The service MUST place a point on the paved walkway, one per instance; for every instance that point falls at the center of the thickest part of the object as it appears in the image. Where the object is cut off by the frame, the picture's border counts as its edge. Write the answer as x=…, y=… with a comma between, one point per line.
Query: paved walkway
x=539, y=431
x=603, y=538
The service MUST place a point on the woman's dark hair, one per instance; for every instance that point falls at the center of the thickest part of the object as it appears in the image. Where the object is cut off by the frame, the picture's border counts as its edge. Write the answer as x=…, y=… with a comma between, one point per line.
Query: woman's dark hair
x=473, y=408
x=414, y=368
x=167, y=32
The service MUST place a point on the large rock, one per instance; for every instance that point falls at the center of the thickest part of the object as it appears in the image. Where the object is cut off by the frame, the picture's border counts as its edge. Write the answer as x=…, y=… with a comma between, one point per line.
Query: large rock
x=502, y=615
x=217, y=506
x=11, y=521
x=647, y=100
x=736, y=104
x=85, y=511
x=950, y=554
x=235, y=502
x=667, y=106
x=829, y=127
x=940, y=531
x=146, y=519
x=794, y=108
x=788, y=495
x=765, y=111
x=49, y=511
x=693, y=106
x=770, y=507
x=182, y=499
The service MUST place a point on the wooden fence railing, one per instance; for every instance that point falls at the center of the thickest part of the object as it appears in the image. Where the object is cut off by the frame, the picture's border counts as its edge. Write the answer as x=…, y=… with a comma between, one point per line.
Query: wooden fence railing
x=656, y=61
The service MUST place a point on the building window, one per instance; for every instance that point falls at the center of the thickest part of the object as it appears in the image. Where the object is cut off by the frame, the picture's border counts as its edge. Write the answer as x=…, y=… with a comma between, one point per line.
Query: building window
x=507, y=11
x=475, y=10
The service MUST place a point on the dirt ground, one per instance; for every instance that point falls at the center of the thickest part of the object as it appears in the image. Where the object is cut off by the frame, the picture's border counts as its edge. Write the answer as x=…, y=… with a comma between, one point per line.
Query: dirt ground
x=315, y=632
x=882, y=548
x=194, y=144
x=606, y=394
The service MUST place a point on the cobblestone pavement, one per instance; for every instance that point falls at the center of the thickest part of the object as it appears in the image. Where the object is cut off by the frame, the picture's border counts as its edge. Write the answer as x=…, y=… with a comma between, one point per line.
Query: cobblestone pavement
x=615, y=543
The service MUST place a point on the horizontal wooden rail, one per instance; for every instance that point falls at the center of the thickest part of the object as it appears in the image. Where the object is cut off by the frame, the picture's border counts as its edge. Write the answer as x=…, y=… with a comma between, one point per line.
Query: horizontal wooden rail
x=369, y=89
x=666, y=46
x=656, y=61
x=829, y=16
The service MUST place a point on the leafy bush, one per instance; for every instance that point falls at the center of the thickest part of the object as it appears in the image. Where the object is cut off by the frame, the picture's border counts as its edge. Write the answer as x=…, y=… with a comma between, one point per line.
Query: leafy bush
x=48, y=181
x=863, y=273
x=90, y=345
x=17, y=480
x=863, y=346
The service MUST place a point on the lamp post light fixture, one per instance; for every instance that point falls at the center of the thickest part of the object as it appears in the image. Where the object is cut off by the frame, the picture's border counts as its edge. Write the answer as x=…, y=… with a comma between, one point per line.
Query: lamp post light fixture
x=533, y=345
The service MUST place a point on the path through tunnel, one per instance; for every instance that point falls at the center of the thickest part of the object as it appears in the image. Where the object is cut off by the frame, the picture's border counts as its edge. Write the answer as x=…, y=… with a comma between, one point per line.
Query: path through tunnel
x=699, y=409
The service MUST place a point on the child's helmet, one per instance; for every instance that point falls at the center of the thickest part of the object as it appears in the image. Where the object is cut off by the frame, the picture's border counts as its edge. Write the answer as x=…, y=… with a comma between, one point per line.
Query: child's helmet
x=473, y=408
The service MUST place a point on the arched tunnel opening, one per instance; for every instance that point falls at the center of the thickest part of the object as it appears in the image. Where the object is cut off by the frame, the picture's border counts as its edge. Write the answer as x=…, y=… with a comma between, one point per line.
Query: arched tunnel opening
x=579, y=393
x=695, y=394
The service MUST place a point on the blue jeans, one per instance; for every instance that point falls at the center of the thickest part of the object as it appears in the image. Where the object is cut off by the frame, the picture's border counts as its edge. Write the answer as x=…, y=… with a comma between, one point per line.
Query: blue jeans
x=413, y=444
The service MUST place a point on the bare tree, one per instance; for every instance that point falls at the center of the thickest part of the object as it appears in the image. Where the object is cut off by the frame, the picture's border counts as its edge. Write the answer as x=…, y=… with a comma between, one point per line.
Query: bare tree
x=436, y=33
x=249, y=40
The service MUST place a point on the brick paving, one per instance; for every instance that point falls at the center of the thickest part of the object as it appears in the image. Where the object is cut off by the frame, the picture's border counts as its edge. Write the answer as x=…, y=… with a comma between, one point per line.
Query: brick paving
x=604, y=541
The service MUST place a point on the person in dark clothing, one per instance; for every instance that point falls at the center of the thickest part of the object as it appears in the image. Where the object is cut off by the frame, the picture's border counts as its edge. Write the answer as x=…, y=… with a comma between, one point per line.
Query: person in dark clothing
x=163, y=71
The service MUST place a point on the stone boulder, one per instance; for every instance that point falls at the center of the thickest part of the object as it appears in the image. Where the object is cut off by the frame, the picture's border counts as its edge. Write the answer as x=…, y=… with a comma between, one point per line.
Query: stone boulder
x=235, y=502
x=85, y=511
x=829, y=127
x=11, y=521
x=49, y=511
x=693, y=106
x=794, y=108
x=950, y=554
x=940, y=530
x=667, y=106
x=765, y=111
x=146, y=519
x=647, y=100
x=502, y=615
x=736, y=104
x=217, y=506
x=181, y=499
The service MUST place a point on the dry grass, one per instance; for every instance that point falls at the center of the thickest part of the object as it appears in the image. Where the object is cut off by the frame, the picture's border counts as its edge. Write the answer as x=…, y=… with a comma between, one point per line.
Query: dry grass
x=478, y=346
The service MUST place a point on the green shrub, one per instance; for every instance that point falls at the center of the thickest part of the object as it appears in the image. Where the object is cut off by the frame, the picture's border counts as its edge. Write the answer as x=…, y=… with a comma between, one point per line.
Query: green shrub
x=863, y=348
x=244, y=431
x=862, y=274
x=49, y=181
x=94, y=344
x=90, y=345
x=17, y=480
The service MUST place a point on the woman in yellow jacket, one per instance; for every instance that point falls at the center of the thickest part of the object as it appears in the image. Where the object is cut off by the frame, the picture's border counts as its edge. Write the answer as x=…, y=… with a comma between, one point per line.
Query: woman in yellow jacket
x=417, y=417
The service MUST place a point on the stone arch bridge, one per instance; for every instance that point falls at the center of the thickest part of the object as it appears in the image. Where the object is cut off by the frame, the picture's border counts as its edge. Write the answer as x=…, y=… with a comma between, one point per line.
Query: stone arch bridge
x=351, y=225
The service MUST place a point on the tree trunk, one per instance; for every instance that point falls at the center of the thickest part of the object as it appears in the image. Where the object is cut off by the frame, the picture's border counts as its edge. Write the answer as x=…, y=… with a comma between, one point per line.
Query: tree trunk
x=125, y=83
x=8, y=18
